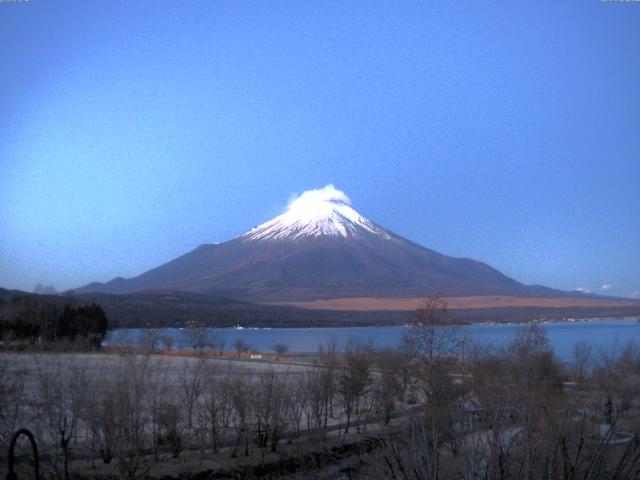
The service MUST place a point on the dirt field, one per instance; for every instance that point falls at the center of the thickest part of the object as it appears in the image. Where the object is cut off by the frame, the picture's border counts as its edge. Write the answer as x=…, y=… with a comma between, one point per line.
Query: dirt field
x=364, y=304
x=26, y=366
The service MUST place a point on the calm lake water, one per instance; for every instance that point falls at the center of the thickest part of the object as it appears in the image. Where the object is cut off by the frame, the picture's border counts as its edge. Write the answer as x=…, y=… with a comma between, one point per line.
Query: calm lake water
x=601, y=334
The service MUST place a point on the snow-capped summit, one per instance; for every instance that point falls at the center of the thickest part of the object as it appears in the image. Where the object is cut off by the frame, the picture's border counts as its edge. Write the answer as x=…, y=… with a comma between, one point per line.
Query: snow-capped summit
x=320, y=248
x=323, y=212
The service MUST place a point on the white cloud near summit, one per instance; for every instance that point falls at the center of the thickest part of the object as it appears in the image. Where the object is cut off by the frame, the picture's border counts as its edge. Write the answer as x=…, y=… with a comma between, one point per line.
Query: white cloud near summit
x=329, y=193
x=606, y=287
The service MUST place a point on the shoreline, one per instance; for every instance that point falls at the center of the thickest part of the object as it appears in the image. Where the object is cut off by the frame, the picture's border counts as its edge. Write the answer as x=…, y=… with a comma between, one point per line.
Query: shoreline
x=388, y=325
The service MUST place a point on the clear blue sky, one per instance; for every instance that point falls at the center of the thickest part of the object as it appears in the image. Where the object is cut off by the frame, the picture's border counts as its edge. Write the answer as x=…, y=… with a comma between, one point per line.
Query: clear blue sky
x=508, y=132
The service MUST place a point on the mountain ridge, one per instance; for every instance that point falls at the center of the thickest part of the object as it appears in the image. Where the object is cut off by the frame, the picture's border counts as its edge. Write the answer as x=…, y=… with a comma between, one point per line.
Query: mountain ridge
x=321, y=248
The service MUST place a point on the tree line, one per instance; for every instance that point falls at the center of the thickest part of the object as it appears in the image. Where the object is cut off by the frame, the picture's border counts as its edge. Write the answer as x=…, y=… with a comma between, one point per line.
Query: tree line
x=34, y=319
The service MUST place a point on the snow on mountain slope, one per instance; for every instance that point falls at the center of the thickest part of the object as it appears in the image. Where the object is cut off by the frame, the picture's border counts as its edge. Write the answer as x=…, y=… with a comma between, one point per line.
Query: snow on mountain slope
x=320, y=248
x=326, y=211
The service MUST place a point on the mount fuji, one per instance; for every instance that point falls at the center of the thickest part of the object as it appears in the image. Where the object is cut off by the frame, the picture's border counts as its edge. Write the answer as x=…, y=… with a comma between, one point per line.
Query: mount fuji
x=319, y=249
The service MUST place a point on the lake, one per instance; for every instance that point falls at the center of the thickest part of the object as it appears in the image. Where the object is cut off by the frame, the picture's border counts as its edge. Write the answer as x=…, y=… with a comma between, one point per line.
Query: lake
x=600, y=334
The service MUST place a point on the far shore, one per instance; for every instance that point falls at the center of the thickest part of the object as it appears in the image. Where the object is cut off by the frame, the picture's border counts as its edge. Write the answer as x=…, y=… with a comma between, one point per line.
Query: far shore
x=543, y=321
x=367, y=304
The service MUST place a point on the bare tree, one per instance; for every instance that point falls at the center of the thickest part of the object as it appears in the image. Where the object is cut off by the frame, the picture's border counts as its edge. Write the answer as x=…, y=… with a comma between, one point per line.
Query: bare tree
x=130, y=389
x=241, y=347
x=168, y=418
x=216, y=341
x=582, y=358
x=240, y=399
x=534, y=372
x=150, y=339
x=432, y=341
x=270, y=407
x=399, y=364
x=281, y=349
x=615, y=372
x=355, y=377
x=324, y=381
x=62, y=391
x=317, y=394
x=12, y=400
x=100, y=418
x=217, y=403
x=299, y=403
x=388, y=388
x=431, y=335
x=157, y=398
x=166, y=341
x=192, y=387
x=196, y=338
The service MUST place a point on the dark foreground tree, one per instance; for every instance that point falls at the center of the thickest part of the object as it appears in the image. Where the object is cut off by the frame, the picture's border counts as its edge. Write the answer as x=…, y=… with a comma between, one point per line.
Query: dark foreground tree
x=37, y=319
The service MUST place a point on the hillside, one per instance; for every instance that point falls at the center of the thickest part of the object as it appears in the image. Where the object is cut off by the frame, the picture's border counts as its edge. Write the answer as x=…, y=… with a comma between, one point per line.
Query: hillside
x=321, y=248
x=180, y=309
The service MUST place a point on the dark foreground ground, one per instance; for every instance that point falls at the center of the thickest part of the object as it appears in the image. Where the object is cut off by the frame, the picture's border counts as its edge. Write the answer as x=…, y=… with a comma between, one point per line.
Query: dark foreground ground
x=510, y=413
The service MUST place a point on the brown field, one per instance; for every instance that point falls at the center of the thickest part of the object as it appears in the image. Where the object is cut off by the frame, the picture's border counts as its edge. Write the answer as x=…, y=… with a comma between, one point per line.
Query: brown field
x=364, y=304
